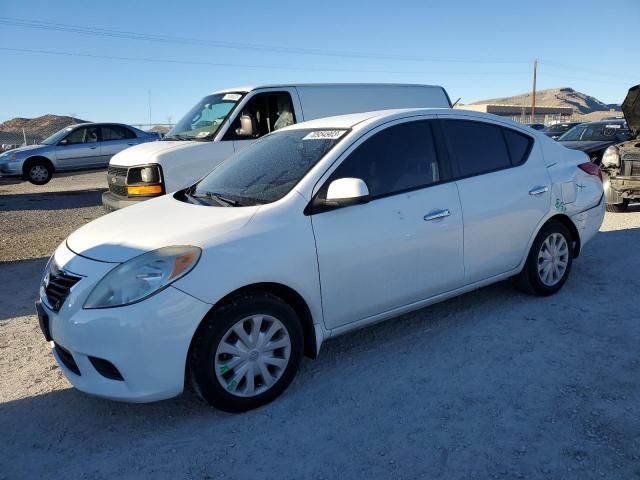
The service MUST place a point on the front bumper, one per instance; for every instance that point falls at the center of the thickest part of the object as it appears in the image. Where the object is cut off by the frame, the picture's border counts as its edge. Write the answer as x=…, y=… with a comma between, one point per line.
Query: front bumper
x=112, y=202
x=11, y=169
x=626, y=187
x=146, y=342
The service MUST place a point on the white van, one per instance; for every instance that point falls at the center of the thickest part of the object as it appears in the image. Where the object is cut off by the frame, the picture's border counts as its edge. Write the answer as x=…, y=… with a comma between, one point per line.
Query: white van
x=226, y=121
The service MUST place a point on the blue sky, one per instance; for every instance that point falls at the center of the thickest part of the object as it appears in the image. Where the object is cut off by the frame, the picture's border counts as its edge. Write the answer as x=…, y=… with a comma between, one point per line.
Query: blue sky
x=475, y=49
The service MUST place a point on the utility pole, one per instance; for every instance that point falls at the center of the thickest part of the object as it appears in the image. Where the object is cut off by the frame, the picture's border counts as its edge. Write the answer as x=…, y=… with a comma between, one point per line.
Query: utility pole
x=533, y=96
x=149, y=107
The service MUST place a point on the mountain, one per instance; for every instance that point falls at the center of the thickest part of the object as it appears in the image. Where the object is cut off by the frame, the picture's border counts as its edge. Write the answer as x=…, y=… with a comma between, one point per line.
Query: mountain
x=35, y=129
x=581, y=103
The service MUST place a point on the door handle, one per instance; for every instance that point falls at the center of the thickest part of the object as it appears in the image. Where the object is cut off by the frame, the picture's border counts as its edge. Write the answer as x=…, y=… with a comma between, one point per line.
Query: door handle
x=538, y=190
x=93, y=148
x=437, y=214
x=132, y=143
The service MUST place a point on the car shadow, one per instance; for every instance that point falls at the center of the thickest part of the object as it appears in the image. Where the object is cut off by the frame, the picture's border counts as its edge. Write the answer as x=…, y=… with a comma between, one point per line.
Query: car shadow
x=20, y=281
x=52, y=200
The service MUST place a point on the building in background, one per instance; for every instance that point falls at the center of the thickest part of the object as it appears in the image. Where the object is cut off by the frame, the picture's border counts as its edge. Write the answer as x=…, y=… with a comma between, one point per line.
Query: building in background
x=520, y=113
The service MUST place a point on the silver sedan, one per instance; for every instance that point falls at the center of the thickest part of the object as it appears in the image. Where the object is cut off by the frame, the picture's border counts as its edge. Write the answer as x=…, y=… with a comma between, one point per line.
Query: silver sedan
x=78, y=147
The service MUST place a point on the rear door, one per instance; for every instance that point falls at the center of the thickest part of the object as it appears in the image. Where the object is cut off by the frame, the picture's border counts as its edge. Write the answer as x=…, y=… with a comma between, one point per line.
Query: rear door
x=401, y=247
x=115, y=138
x=504, y=189
x=79, y=149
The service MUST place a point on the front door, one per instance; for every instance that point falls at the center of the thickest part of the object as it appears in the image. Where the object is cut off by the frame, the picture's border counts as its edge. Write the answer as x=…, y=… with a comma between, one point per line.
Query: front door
x=405, y=245
x=115, y=138
x=79, y=149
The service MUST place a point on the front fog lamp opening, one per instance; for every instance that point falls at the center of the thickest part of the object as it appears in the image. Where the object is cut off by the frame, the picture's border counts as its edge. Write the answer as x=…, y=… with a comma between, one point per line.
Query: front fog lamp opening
x=143, y=276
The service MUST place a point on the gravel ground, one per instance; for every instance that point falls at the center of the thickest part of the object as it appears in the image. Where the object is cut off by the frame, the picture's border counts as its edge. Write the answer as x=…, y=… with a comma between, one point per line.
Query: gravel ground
x=493, y=384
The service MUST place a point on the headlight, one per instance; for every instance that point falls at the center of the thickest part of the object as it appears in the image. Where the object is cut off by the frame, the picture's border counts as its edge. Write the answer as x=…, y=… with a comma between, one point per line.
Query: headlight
x=143, y=276
x=145, y=181
x=8, y=156
x=611, y=158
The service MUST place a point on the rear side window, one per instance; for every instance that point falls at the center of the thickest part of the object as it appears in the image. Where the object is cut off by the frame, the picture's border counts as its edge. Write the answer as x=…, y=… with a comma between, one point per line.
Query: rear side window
x=478, y=147
x=519, y=146
x=116, y=132
x=399, y=158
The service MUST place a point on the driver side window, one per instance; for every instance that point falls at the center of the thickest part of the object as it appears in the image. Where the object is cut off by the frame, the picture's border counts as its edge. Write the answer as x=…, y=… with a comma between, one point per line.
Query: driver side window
x=83, y=135
x=263, y=114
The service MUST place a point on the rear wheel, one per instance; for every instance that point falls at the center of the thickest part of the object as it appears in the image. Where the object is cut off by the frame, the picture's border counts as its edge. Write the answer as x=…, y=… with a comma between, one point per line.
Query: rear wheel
x=38, y=172
x=246, y=353
x=549, y=261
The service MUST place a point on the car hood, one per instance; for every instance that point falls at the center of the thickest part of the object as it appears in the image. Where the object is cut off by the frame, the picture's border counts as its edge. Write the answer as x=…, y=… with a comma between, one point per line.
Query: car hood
x=162, y=222
x=631, y=109
x=149, y=152
x=587, y=146
x=28, y=148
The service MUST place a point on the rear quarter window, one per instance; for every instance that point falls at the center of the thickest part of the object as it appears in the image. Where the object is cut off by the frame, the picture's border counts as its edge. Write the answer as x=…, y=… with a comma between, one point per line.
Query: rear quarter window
x=519, y=146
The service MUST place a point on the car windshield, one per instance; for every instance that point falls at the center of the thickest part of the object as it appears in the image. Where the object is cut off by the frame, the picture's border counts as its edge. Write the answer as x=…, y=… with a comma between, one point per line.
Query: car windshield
x=204, y=119
x=266, y=170
x=56, y=137
x=593, y=132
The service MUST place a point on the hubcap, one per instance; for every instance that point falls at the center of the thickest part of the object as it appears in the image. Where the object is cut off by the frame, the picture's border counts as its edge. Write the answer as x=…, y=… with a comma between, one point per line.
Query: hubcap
x=553, y=259
x=252, y=355
x=38, y=173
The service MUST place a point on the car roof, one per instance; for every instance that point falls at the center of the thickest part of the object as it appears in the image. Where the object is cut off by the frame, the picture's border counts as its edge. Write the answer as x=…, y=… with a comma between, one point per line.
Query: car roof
x=98, y=124
x=250, y=88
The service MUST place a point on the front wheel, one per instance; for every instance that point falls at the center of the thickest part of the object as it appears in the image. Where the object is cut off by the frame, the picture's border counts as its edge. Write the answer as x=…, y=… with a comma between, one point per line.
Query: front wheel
x=549, y=262
x=246, y=353
x=38, y=172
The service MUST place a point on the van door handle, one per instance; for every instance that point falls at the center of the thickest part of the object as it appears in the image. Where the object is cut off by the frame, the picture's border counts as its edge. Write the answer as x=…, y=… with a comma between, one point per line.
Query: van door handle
x=437, y=214
x=535, y=191
x=93, y=148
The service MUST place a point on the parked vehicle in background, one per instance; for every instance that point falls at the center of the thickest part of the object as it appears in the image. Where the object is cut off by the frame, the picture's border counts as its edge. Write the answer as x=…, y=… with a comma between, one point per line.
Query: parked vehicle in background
x=78, y=147
x=226, y=121
x=554, y=131
x=621, y=162
x=535, y=126
x=313, y=231
x=594, y=138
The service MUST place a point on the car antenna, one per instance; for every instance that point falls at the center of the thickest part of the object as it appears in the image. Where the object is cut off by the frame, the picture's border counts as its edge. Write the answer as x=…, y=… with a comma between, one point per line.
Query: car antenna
x=456, y=102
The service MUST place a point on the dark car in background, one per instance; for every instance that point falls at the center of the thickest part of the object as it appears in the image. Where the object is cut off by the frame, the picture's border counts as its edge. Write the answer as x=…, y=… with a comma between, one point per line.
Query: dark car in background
x=554, y=131
x=594, y=138
x=535, y=126
x=78, y=147
x=621, y=162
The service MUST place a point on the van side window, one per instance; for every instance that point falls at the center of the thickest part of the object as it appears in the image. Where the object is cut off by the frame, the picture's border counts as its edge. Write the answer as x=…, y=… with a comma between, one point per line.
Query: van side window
x=478, y=147
x=263, y=114
x=400, y=158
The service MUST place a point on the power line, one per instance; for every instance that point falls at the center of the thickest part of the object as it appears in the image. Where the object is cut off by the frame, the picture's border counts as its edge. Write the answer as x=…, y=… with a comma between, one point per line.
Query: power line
x=242, y=65
x=103, y=32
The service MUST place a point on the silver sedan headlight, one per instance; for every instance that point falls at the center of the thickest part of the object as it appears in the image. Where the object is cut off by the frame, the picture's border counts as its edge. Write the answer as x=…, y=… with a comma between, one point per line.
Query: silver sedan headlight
x=143, y=276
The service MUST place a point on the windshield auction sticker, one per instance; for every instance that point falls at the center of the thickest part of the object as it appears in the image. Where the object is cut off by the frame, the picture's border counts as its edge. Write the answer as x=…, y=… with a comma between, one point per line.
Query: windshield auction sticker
x=234, y=97
x=324, y=135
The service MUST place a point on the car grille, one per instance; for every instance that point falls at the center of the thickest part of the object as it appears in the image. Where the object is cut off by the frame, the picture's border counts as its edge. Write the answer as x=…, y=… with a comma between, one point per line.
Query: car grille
x=117, y=179
x=57, y=288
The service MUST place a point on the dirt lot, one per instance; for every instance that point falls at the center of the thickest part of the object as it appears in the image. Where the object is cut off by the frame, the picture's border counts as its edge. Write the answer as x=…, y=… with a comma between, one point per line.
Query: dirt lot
x=494, y=384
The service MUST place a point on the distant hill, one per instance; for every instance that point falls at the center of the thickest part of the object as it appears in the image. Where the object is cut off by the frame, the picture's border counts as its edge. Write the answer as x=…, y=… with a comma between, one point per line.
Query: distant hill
x=581, y=103
x=36, y=129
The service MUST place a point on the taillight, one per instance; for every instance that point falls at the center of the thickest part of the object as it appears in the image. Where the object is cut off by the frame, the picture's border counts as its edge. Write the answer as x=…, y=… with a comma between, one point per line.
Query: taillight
x=591, y=169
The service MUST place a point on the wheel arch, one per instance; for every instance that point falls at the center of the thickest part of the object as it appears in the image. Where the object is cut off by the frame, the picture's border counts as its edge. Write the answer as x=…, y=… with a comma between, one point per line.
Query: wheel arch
x=29, y=161
x=567, y=222
x=287, y=294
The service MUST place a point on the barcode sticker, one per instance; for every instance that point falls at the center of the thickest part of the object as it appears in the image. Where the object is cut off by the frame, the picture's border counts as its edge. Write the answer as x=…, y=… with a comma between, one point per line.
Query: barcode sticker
x=324, y=135
x=233, y=97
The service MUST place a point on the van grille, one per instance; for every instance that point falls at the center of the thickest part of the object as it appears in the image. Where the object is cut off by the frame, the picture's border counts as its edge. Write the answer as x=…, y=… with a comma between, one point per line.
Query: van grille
x=117, y=180
x=58, y=286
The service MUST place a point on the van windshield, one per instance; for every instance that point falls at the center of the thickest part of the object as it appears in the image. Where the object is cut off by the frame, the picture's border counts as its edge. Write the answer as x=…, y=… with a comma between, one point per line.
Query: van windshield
x=204, y=119
x=266, y=170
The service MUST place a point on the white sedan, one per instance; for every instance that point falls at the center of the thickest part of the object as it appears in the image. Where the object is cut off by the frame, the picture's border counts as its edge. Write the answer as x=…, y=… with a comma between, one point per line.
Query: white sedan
x=312, y=231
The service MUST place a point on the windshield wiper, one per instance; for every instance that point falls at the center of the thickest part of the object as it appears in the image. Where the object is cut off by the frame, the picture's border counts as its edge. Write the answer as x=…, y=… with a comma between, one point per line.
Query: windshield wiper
x=178, y=137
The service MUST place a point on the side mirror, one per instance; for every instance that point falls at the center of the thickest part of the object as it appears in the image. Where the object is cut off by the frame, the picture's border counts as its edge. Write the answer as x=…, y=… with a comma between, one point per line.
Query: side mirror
x=347, y=191
x=63, y=142
x=246, y=127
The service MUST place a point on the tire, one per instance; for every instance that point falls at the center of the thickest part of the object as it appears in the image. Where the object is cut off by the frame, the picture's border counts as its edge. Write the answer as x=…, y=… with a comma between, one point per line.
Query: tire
x=221, y=365
x=38, y=172
x=617, y=207
x=553, y=237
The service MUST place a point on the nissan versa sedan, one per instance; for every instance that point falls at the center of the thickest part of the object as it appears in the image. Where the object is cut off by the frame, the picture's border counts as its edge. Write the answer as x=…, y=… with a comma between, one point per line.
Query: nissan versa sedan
x=310, y=232
x=78, y=147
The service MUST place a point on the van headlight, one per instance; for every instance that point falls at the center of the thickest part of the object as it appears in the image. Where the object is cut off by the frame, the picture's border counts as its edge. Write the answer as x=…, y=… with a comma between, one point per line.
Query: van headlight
x=143, y=276
x=611, y=157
